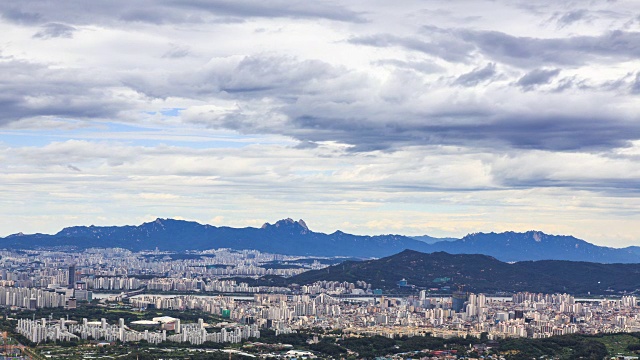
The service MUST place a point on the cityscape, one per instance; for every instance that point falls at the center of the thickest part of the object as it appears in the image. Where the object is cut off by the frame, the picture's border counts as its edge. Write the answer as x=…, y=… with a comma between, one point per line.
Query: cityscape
x=291, y=179
x=207, y=285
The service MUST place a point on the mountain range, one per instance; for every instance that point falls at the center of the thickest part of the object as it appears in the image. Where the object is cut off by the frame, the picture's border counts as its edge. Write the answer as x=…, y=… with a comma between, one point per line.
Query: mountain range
x=480, y=273
x=294, y=238
x=432, y=240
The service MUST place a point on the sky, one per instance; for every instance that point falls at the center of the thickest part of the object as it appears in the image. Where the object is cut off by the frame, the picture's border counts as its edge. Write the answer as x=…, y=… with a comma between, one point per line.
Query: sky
x=421, y=117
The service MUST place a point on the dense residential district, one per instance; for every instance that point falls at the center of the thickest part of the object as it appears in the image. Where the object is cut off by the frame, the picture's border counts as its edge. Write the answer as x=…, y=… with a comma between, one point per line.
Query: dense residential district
x=144, y=282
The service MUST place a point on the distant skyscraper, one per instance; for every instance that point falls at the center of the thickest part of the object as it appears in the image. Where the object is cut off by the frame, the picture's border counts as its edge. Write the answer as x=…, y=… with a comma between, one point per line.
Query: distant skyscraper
x=72, y=276
x=457, y=301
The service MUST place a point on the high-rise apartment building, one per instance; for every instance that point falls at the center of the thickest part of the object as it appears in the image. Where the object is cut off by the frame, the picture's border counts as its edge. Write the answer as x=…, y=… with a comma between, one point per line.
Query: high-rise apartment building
x=72, y=276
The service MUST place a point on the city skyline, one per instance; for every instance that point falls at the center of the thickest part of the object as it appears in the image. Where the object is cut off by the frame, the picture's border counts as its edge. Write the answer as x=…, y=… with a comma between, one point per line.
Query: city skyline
x=128, y=302
x=432, y=118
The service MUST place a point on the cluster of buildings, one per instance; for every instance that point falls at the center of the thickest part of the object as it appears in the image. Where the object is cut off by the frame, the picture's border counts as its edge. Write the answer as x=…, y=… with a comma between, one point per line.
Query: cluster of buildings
x=211, y=285
x=537, y=316
x=31, y=298
x=44, y=330
x=338, y=288
x=282, y=313
x=523, y=315
x=38, y=279
x=113, y=283
x=123, y=270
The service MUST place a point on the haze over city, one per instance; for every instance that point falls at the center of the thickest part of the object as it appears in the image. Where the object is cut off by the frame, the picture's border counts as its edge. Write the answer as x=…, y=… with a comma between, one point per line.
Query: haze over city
x=436, y=117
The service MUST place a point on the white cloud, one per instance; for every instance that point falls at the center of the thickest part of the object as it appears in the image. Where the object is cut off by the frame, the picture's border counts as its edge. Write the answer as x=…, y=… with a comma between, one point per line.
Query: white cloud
x=432, y=117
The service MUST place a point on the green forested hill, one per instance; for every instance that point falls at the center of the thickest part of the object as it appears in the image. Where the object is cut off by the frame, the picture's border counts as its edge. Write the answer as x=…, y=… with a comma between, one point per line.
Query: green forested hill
x=481, y=273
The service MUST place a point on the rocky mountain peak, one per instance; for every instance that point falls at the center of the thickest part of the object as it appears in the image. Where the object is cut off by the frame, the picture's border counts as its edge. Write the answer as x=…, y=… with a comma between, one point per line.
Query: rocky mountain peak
x=289, y=223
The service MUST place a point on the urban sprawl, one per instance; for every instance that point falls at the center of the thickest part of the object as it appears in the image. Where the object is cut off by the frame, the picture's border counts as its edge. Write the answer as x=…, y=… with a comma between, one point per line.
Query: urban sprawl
x=49, y=279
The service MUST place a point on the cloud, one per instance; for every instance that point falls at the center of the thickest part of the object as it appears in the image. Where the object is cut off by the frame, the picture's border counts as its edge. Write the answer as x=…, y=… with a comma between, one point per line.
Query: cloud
x=278, y=8
x=548, y=132
x=537, y=77
x=31, y=90
x=573, y=82
x=477, y=75
x=265, y=74
x=158, y=196
x=635, y=86
x=170, y=11
x=576, y=50
x=412, y=170
x=264, y=179
x=55, y=30
x=427, y=67
x=177, y=52
x=314, y=101
x=571, y=17
x=439, y=43
x=458, y=45
x=10, y=12
x=362, y=110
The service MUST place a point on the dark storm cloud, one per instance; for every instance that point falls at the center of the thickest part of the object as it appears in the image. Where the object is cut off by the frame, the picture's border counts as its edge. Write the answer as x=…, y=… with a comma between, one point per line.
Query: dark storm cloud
x=612, y=186
x=29, y=90
x=168, y=11
x=458, y=45
x=537, y=77
x=522, y=131
x=534, y=52
x=313, y=101
x=55, y=30
x=477, y=76
x=561, y=133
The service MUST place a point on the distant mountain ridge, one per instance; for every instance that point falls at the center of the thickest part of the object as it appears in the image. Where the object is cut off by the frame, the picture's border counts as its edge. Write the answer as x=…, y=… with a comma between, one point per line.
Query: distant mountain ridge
x=292, y=237
x=284, y=237
x=432, y=240
x=536, y=245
